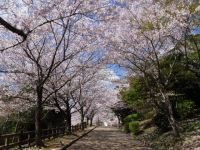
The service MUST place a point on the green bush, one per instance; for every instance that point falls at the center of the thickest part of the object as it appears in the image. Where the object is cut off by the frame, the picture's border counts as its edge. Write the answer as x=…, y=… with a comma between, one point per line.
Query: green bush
x=134, y=127
x=185, y=108
x=127, y=120
x=161, y=121
x=132, y=117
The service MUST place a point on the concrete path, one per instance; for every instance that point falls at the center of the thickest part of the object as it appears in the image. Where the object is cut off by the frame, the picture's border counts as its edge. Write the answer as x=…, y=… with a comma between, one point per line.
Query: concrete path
x=108, y=139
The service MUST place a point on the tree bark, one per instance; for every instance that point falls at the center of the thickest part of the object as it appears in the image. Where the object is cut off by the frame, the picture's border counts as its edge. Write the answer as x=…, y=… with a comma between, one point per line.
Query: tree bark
x=91, y=121
x=87, y=121
x=82, y=119
x=38, y=118
x=119, y=122
x=172, y=120
x=66, y=113
x=170, y=115
x=68, y=117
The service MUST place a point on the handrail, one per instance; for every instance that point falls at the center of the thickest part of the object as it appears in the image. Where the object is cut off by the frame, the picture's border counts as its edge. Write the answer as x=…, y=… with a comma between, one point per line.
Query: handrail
x=22, y=138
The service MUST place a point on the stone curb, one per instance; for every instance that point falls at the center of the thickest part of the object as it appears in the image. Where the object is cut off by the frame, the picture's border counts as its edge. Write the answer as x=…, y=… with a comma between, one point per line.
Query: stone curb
x=74, y=141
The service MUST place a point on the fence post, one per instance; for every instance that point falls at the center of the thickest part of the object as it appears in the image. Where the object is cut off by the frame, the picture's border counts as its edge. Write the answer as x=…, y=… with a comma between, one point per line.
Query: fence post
x=63, y=130
x=84, y=125
x=77, y=127
x=54, y=132
x=20, y=139
x=29, y=139
x=49, y=133
x=57, y=130
x=6, y=142
x=72, y=128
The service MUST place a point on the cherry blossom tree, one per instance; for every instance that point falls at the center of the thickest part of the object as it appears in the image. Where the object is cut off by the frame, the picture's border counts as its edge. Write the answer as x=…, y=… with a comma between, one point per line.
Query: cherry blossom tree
x=52, y=44
x=20, y=19
x=144, y=33
x=63, y=98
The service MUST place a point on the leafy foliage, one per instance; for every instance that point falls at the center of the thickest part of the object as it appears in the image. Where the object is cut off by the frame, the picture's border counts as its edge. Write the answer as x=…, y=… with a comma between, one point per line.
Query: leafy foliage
x=185, y=108
x=134, y=127
x=136, y=95
x=131, y=123
x=132, y=117
x=24, y=121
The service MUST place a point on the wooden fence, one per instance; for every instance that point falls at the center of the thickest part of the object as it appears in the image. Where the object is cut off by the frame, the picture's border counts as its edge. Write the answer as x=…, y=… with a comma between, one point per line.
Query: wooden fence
x=26, y=138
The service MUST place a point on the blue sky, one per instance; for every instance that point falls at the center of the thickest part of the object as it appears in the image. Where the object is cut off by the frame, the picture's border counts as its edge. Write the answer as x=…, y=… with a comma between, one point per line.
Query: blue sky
x=119, y=71
x=196, y=31
x=117, y=3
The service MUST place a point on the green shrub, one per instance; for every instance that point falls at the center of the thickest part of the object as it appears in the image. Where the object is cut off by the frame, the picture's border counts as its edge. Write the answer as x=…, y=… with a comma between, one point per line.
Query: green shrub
x=193, y=126
x=161, y=121
x=130, y=118
x=185, y=108
x=134, y=127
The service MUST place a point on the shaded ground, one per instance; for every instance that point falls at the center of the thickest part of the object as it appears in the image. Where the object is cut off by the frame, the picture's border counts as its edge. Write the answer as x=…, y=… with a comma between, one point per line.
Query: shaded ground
x=108, y=139
x=189, y=136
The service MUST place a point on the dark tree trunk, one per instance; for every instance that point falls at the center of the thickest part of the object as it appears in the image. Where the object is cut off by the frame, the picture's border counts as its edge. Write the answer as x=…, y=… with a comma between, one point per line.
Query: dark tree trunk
x=68, y=123
x=38, y=118
x=66, y=113
x=91, y=121
x=82, y=122
x=87, y=121
x=68, y=117
x=82, y=119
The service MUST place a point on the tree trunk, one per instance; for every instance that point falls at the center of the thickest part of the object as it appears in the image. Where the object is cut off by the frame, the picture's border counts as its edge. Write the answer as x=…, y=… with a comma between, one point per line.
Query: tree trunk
x=87, y=121
x=82, y=119
x=68, y=117
x=171, y=117
x=91, y=121
x=38, y=118
x=119, y=122
x=82, y=122
x=172, y=120
x=66, y=113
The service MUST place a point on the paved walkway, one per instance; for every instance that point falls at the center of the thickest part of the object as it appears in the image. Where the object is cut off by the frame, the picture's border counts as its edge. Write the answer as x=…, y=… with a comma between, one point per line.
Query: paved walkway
x=108, y=139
